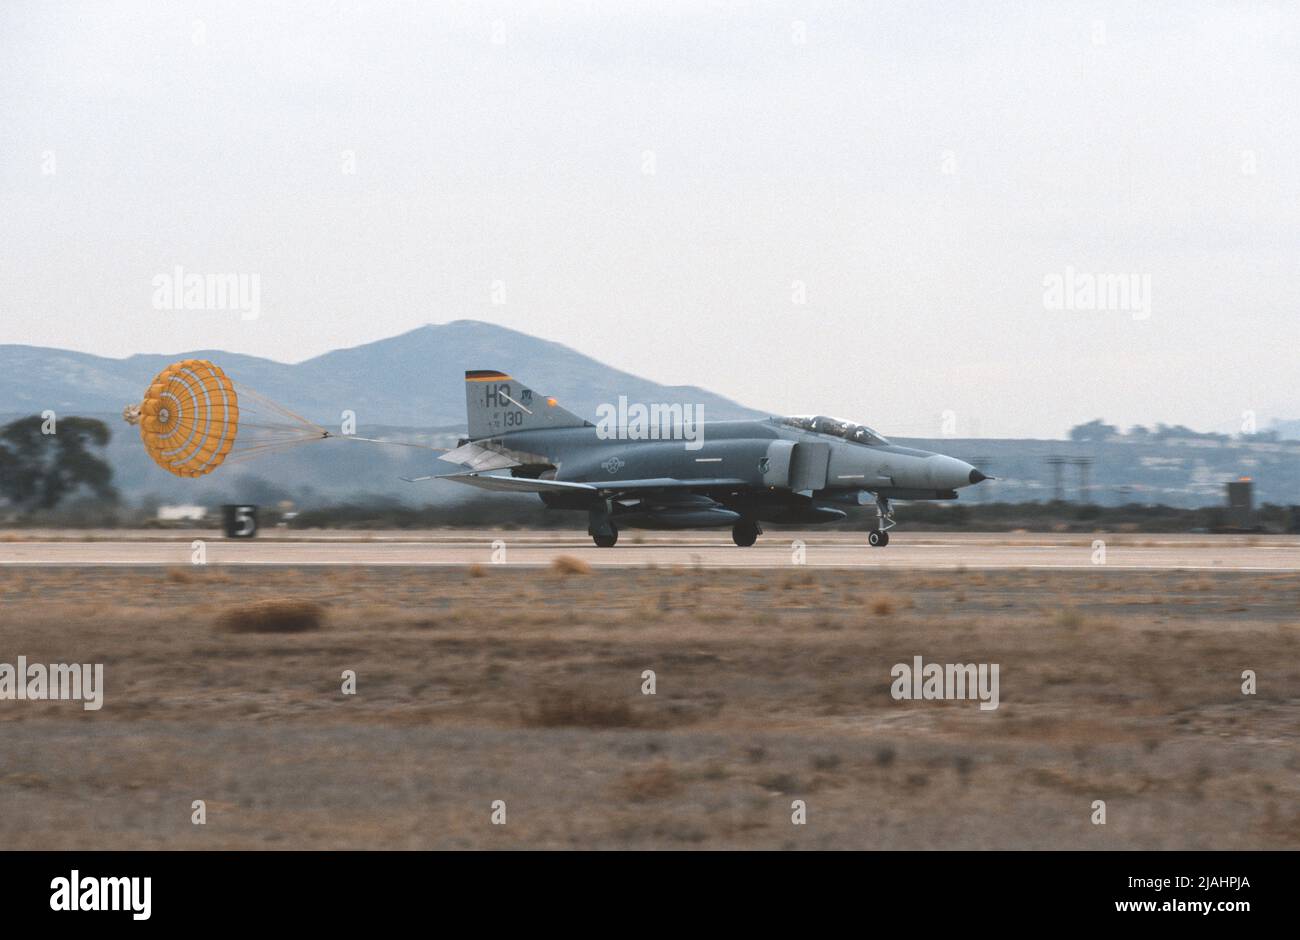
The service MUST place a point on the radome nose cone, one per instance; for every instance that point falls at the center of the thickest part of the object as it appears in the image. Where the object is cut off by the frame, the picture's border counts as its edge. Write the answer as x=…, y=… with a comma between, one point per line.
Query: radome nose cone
x=976, y=476
x=948, y=473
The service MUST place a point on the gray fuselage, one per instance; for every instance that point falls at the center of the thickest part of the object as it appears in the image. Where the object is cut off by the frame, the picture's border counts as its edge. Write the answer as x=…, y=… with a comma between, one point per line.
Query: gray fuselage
x=766, y=469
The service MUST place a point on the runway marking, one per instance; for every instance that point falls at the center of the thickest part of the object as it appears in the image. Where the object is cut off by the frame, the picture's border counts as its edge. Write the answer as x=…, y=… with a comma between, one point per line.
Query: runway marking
x=957, y=556
x=947, y=552
x=635, y=565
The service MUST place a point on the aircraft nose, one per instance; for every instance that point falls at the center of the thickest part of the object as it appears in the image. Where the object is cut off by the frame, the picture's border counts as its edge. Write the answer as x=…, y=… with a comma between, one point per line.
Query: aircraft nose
x=948, y=473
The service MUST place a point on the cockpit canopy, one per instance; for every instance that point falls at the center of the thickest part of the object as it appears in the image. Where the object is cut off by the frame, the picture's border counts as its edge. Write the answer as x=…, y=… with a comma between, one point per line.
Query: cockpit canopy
x=835, y=427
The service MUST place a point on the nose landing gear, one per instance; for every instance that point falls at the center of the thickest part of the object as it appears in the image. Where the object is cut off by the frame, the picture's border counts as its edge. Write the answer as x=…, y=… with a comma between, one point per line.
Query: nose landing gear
x=879, y=536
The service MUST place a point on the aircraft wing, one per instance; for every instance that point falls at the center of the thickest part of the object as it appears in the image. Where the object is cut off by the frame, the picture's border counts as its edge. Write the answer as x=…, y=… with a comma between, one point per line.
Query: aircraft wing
x=517, y=484
x=666, y=483
x=530, y=485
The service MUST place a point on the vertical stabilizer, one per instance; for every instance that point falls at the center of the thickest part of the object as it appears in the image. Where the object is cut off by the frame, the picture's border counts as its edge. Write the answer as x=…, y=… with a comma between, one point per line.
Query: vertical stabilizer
x=496, y=404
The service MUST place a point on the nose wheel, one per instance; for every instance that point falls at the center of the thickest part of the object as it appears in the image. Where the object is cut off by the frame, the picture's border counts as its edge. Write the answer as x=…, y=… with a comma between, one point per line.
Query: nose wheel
x=879, y=536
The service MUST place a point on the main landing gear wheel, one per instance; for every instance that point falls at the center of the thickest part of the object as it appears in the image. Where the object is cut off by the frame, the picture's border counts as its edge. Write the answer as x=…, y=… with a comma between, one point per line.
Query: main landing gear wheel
x=606, y=541
x=745, y=534
x=877, y=539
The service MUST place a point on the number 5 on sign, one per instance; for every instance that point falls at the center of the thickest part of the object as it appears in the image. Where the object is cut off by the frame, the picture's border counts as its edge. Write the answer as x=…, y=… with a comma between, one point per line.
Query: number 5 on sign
x=239, y=522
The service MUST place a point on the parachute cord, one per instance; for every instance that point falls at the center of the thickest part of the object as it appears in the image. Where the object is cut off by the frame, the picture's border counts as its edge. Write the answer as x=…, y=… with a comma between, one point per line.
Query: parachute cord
x=261, y=450
x=276, y=406
x=187, y=425
x=275, y=447
x=375, y=440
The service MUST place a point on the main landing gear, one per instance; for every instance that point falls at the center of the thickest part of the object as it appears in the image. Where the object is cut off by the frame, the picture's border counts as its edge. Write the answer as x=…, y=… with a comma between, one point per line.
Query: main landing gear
x=879, y=536
x=745, y=533
x=600, y=527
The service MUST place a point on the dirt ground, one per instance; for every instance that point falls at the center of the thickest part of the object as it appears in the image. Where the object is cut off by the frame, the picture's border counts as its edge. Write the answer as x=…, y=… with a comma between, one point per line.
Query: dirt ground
x=487, y=683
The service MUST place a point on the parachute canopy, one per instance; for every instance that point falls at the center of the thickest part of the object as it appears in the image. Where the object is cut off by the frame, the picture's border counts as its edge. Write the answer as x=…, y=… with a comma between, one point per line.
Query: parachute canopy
x=189, y=418
x=194, y=418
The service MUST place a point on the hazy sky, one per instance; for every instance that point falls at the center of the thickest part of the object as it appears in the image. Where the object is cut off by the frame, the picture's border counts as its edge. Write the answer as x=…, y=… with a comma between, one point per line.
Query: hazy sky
x=658, y=185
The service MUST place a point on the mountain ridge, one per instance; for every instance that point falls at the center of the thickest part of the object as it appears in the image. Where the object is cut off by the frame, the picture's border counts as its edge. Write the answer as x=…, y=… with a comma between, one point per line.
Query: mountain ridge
x=415, y=378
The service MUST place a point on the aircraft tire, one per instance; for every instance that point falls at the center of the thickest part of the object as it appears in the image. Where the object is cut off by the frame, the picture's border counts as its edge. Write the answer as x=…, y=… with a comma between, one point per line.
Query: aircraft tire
x=744, y=534
x=877, y=538
x=606, y=541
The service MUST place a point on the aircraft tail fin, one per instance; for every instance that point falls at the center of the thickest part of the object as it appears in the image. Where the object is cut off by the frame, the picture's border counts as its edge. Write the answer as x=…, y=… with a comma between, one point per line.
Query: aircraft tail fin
x=496, y=403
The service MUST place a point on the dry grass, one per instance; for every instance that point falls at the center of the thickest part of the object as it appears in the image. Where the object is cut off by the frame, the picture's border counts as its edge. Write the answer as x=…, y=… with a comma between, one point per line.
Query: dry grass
x=273, y=616
x=657, y=782
x=1069, y=619
x=574, y=708
x=531, y=693
x=567, y=565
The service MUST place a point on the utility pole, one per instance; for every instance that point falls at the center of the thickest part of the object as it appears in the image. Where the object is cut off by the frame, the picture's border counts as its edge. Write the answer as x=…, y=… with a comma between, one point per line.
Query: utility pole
x=983, y=463
x=1058, y=485
x=1085, y=466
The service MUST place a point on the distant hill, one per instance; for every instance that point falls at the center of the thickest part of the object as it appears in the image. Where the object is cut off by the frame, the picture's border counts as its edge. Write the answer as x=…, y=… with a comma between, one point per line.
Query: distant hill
x=1286, y=430
x=411, y=388
x=415, y=379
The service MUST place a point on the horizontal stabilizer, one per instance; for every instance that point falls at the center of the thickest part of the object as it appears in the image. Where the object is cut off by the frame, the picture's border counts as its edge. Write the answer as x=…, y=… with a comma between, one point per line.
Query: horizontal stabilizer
x=479, y=458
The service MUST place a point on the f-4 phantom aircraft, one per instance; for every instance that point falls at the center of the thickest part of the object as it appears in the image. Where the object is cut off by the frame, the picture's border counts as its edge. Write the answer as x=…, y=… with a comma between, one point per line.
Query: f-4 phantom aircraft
x=796, y=470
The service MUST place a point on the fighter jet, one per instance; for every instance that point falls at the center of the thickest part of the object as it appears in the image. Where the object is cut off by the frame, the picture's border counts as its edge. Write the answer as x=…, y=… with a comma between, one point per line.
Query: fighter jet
x=660, y=471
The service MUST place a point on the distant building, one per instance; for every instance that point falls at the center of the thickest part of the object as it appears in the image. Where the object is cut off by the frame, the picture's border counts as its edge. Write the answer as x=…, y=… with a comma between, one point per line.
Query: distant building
x=181, y=513
x=1241, y=503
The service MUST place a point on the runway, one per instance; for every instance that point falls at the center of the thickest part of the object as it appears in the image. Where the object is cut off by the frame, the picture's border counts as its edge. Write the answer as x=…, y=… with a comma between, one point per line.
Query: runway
x=775, y=550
